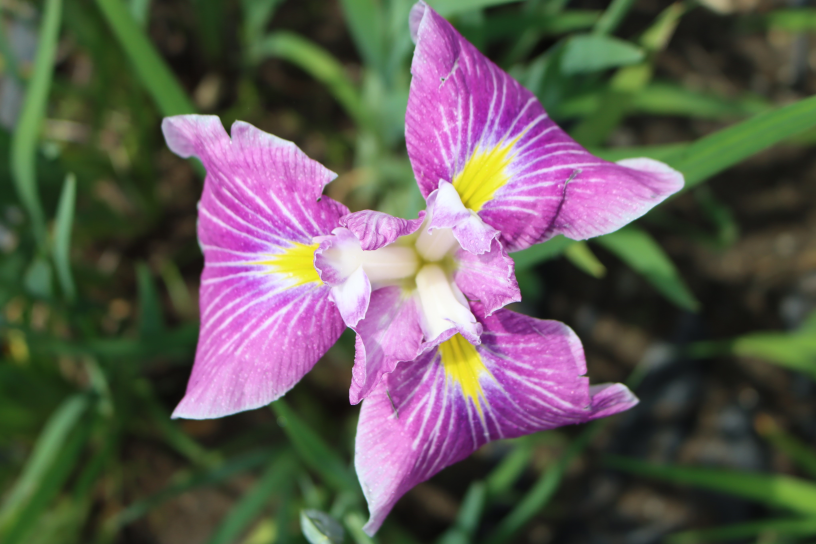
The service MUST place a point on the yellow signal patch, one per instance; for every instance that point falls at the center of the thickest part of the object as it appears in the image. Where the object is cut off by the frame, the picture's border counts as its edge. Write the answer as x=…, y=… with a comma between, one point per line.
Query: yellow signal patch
x=464, y=366
x=295, y=262
x=484, y=173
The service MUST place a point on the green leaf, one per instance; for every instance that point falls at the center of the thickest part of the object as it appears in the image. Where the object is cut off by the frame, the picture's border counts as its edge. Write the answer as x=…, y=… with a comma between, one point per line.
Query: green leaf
x=512, y=466
x=772, y=490
x=318, y=63
x=354, y=522
x=613, y=16
x=26, y=133
x=186, y=481
x=470, y=513
x=527, y=258
x=62, y=236
x=152, y=70
x=151, y=318
x=592, y=53
x=714, y=153
x=581, y=256
x=639, y=250
x=320, y=528
x=771, y=527
x=800, y=453
x=451, y=8
x=37, y=279
x=794, y=351
x=314, y=452
x=29, y=516
x=276, y=476
x=257, y=14
x=657, y=152
x=793, y=20
x=365, y=21
x=47, y=451
x=508, y=25
x=543, y=490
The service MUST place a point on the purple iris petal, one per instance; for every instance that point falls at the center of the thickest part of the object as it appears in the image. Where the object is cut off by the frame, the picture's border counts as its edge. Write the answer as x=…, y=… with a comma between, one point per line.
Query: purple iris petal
x=447, y=211
x=265, y=315
x=526, y=376
x=378, y=229
x=471, y=124
x=390, y=333
x=489, y=278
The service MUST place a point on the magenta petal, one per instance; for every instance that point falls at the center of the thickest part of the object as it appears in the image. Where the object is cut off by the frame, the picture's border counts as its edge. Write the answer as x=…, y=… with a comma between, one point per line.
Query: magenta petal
x=377, y=229
x=390, y=333
x=489, y=278
x=446, y=210
x=424, y=416
x=264, y=324
x=471, y=124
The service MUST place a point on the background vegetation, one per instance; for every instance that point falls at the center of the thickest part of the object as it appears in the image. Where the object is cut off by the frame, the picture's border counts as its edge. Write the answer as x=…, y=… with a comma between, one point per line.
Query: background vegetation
x=705, y=306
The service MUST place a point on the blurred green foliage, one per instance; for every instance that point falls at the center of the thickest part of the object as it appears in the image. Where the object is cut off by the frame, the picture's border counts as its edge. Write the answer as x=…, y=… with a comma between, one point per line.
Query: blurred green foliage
x=80, y=202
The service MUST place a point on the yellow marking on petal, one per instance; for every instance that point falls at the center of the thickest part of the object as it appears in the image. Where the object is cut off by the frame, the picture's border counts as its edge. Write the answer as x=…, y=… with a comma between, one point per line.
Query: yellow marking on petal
x=464, y=366
x=295, y=262
x=484, y=173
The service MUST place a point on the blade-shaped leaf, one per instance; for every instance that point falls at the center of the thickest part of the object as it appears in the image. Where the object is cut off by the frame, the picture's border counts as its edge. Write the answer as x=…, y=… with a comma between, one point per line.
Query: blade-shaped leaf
x=740, y=531
x=151, y=318
x=314, y=451
x=62, y=236
x=581, y=256
x=46, y=452
x=771, y=489
x=470, y=513
x=318, y=63
x=152, y=70
x=320, y=528
x=592, y=53
x=538, y=253
x=279, y=472
x=714, y=153
x=451, y=8
x=802, y=454
x=26, y=133
x=639, y=250
x=365, y=21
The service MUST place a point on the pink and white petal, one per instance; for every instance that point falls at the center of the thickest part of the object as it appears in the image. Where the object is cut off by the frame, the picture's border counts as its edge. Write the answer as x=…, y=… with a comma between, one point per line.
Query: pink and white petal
x=489, y=278
x=260, y=296
x=338, y=256
x=257, y=341
x=427, y=414
x=378, y=229
x=446, y=210
x=506, y=158
x=390, y=333
x=352, y=297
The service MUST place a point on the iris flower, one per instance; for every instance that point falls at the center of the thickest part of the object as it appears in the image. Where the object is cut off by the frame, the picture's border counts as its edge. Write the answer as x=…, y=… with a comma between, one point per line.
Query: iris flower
x=443, y=368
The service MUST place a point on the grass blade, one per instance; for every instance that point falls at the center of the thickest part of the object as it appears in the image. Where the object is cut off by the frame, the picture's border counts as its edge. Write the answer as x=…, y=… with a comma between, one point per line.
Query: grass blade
x=716, y=152
x=543, y=490
x=467, y=521
x=151, y=319
x=773, y=490
x=775, y=527
x=581, y=256
x=62, y=237
x=528, y=258
x=318, y=63
x=320, y=528
x=802, y=454
x=46, y=452
x=153, y=72
x=279, y=472
x=451, y=8
x=639, y=250
x=26, y=133
x=613, y=16
x=592, y=53
x=365, y=22
x=29, y=516
x=315, y=453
